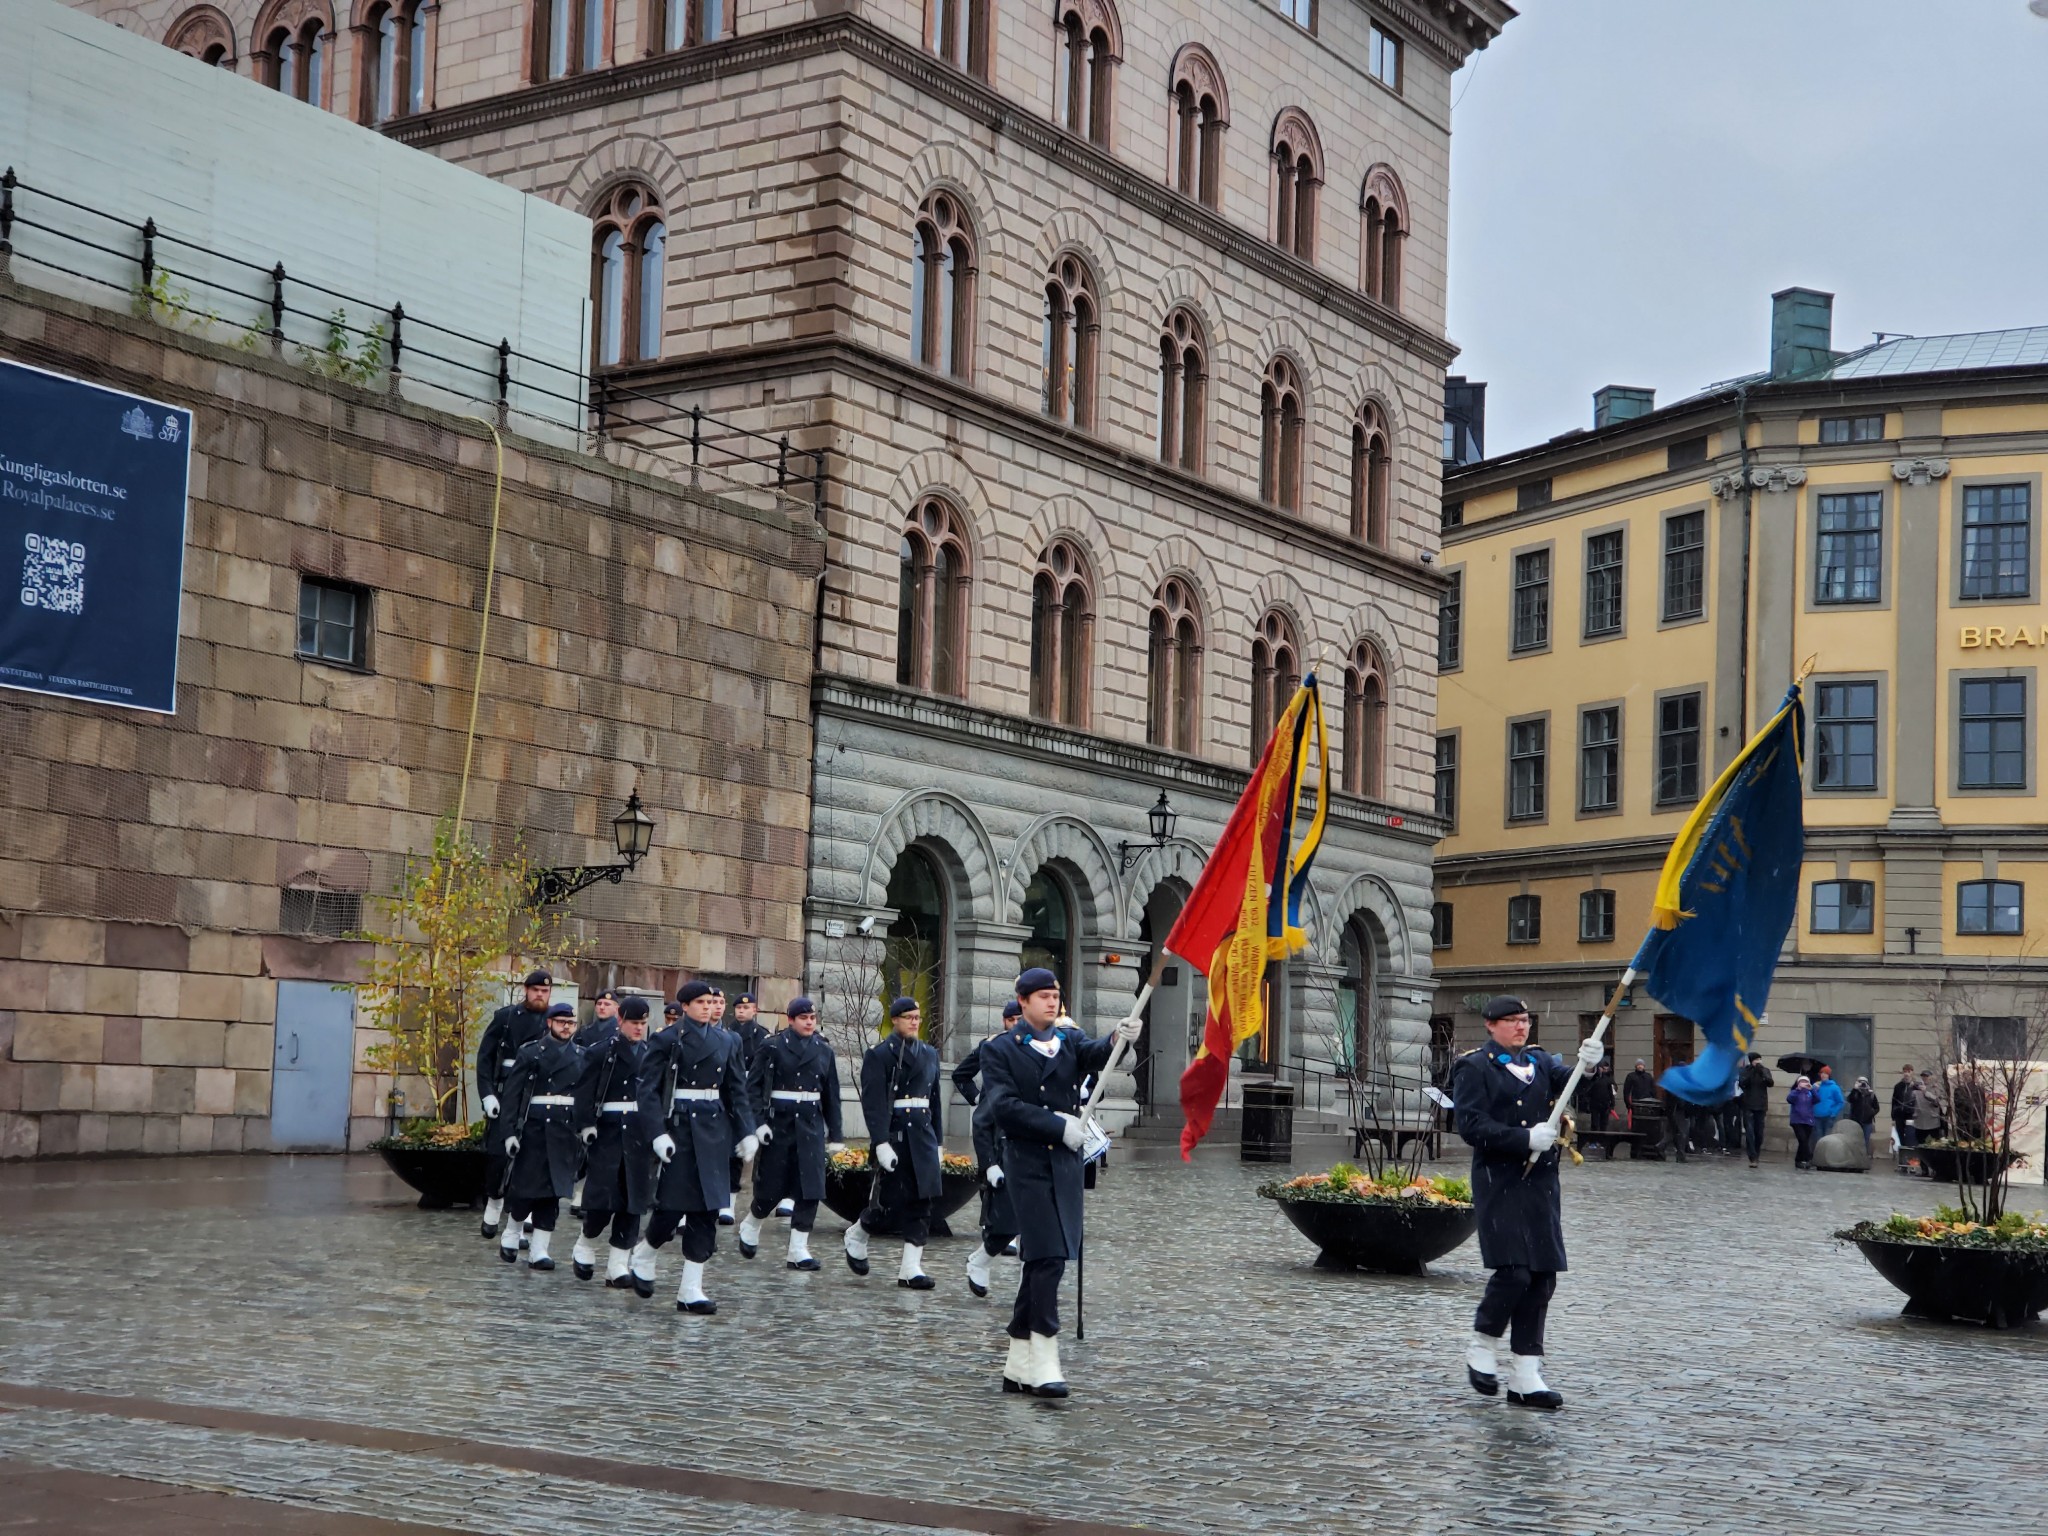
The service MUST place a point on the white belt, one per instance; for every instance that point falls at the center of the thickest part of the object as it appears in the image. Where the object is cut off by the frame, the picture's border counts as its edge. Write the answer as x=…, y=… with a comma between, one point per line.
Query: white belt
x=794, y=1096
x=911, y=1104
x=551, y=1098
x=696, y=1093
x=623, y=1106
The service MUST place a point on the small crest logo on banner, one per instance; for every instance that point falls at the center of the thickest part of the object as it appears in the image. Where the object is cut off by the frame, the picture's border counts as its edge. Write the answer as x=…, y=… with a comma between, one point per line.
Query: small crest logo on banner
x=138, y=425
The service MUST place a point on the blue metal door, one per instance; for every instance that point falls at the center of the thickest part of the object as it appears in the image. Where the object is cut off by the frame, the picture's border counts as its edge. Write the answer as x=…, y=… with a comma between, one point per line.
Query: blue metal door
x=313, y=1068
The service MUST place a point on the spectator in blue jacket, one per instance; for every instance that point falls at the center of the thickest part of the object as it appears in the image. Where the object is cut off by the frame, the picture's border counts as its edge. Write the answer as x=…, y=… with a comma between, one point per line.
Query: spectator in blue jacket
x=1828, y=1102
x=1800, y=1102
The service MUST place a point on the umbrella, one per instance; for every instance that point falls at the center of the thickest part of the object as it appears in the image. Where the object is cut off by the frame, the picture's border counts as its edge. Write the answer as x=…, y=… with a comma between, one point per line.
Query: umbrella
x=1798, y=1062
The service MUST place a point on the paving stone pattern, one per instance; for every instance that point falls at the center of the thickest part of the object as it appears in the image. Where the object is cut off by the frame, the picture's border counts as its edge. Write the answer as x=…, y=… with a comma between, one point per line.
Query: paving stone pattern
x=1724, y=1361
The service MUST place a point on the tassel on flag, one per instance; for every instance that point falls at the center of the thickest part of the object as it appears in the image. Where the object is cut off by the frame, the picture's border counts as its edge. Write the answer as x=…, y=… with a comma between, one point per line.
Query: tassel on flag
x=1245, y=909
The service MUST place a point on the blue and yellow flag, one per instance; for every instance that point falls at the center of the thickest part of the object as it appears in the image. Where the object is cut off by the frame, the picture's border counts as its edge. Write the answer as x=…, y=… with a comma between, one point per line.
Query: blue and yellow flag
x=1728, y=893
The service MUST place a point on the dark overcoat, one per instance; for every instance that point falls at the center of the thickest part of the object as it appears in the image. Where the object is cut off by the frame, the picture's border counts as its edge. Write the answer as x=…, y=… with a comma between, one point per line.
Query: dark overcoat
x=1027, y=1092
x=792, y=1165
x=752, y=1035
x=692, y=1055
x=511, y=1029
x=549, y=1152
x=620, y=1176
x=1520, y=1220
x=903, y=1069
x=997, y=1213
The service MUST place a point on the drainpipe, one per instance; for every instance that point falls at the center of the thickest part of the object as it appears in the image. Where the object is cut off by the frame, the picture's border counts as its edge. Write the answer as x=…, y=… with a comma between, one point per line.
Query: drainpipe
x=1748, y=539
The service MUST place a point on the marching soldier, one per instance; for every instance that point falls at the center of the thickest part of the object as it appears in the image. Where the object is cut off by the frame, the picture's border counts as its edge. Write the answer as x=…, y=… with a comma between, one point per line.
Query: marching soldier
x=998, y=1219
x=795, y=1084
x=694, y=1099
x=510, y=1030
x=1031, y=1079
x=540, y=1106
x=619, y=1185
x=751, y=1034
x=899, y=1077
x=1503, y=1093
x=604, y=1018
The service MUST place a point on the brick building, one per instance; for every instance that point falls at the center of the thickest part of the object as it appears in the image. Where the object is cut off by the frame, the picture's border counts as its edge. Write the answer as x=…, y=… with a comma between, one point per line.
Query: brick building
x=1121, y=328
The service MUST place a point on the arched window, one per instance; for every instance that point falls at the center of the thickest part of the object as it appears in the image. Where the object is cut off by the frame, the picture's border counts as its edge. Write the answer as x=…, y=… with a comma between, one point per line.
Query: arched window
x=1062, y=635
x=1365, y=717
x=392, y=78
x=1090, y=46
x=1201, y=111
x=569, y=37
x=1382, y=234
x=931, y=604
x=1297, y=173
x=1049, y=915
x=913, y=962
x=1072, y=325
x=673, y=24
x=1276, y=673
x=1372, y=481
x=205, y=34
x=1282, y=426
x=942, y=285
x=295, y=40
x=627, y=279
x=958, y=32
x=1174, y=669
x=1183, y=388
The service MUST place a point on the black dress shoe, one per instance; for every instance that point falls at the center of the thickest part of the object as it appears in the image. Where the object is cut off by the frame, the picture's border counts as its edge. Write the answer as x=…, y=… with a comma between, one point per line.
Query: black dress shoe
x=1546, y=1400
x=804, y=1264
x=509, y=1255
x=917, y=1283
x=540, y=1264
x=701, y=1308
x=1483, y=1384
x=747, y=1249
x=980, y=1290
x=583, y=1271
x=1047, y=1389
x=725, y=1220
x=858, y=1266
x=1013, y=1386
x=644, y=1289
x=618, y=1282
x=490, y=1229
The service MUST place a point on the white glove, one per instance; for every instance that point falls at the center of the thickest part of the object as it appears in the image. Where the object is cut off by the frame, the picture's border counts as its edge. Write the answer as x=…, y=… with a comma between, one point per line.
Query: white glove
x=1591, y=1053
x=664, y=1146
x=764, y=1134
x=1071, y=1132
x=995, y=1176
x=885, y=1156
x=589, y=1134
x=748, y=1146
x=490, y=1106
x=1542, y=1137
x=834, y=1147
x=1128, y=1031
x=511, y=1146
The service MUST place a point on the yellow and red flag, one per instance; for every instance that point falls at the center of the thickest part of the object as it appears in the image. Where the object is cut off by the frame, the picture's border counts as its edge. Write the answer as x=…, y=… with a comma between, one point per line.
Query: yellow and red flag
x=1245, y=909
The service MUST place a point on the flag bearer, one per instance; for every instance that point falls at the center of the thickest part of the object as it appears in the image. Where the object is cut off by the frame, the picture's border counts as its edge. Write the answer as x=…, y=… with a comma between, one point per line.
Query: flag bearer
x=998, y=1219
x=1503, y=1094
x=619, y=1185
x=695, y=1101
x=510, y=1029
x=751, y=1033
x=795, y=1084
x=899, y=1078
x=1031, y=1079
x=540, y=1108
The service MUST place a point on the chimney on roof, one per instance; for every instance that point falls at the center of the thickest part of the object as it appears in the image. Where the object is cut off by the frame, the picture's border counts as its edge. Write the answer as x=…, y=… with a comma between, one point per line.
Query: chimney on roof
x=1464, y=420
x=1802, y=331
x=1621, y=402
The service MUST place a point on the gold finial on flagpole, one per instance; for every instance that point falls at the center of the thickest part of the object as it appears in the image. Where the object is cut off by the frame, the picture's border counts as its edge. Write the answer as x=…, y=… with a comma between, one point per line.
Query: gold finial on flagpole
x=1806, y=667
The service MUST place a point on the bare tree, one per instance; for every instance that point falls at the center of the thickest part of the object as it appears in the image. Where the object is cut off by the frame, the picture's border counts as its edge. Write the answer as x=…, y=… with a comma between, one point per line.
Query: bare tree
x=1990, y=1033
x=1389, y=1115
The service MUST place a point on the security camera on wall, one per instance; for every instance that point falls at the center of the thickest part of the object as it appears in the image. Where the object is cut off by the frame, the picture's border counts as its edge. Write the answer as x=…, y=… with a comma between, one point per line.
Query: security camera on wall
x=865, y=926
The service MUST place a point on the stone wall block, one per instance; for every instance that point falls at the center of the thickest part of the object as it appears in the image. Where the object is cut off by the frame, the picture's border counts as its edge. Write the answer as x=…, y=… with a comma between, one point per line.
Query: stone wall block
x=195, y=1133
x=160, y=1135
x=69, y=940
x=250, y=1046
x=92, y=1135
x=58, y=1037
x=75, y=1085
x=122, y=1090
x=252, y=1093
x=147, y=947
x=60, y=1136
x=20, y=1135
x=184, y=1042
x=156, y=994
x=210, y=997
x=213, y=1091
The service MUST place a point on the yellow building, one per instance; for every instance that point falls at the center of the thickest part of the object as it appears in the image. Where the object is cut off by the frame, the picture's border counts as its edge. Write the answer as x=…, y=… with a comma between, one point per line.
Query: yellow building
x=1629, y=603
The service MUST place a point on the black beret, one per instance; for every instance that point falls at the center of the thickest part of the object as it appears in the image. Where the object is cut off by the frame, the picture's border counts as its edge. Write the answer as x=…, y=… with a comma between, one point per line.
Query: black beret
x=670, y=1010
x=901, y=1006
x=799, y=1005
x=562, y=1011
x=746, y=997
x=1037, y=979
x=1012, y=1008
x=633, y=1008
x=606, y=993
x=540, y=979
x=1502, y=1007
x=690, y=991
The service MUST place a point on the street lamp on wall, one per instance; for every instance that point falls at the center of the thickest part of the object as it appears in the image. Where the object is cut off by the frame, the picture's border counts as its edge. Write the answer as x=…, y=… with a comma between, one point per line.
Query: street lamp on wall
x=632, y=835
x=1161, y=818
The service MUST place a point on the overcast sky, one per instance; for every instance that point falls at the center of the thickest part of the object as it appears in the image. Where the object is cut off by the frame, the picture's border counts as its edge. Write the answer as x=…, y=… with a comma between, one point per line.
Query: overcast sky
x=1632, y=179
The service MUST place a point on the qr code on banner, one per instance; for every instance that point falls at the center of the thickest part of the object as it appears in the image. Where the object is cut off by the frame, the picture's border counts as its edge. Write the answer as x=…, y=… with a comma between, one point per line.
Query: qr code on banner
x=53, y=575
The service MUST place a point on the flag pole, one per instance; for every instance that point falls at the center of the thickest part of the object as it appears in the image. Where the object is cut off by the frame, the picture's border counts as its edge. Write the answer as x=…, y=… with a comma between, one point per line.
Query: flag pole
x=1614, y=1001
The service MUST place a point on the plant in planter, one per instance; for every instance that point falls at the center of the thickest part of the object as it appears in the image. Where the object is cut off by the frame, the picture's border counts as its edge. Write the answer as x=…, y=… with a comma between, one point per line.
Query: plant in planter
x=850, y=1180
x=1393, y=1222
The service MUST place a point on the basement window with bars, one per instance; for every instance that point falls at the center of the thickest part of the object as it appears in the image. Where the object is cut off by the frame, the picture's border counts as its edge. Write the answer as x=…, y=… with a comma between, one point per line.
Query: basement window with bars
x=321, y=914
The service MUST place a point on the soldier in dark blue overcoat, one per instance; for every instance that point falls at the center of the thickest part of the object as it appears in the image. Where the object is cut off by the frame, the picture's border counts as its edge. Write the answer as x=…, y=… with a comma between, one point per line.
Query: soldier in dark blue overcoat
x=540, y=1110
x=618, y=1184
x=694, y=1099
x=998, y=1216
x=1503, y=1093
x=1031, y=1080
x=746, y=1027
x=899, y=1088
x=795, y=1085
x=511, y=1028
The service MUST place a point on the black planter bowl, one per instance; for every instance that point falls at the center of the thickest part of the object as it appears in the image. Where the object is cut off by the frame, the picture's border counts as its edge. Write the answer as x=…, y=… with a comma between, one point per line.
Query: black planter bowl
x=1384, y=1237
x=447, y=1178
x=1978, y=1285
x=1947, y=1164
x=847, y=1194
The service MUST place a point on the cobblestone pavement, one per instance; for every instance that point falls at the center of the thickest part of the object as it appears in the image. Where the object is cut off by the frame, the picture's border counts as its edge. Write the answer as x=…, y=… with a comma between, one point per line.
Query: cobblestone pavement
x=1725, y=1364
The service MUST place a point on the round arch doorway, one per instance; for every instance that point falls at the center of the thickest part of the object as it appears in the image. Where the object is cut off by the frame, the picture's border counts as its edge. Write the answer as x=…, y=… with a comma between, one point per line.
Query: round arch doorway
x=1049, y=909
x=913, y=960
x=1358, y=1000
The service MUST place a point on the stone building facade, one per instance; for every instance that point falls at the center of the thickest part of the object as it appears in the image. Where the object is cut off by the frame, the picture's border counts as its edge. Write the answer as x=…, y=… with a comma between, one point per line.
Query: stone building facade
x=1121, y=330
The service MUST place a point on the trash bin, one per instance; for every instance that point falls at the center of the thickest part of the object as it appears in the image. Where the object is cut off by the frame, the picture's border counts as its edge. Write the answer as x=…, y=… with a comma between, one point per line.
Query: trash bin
x=1268, y=1135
